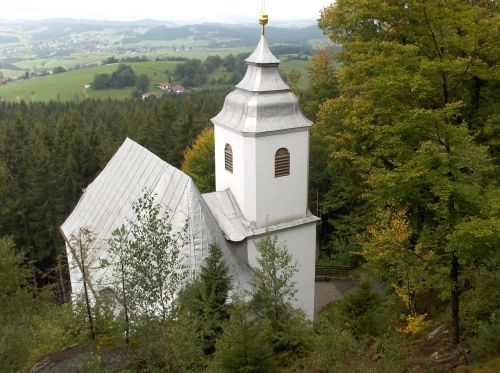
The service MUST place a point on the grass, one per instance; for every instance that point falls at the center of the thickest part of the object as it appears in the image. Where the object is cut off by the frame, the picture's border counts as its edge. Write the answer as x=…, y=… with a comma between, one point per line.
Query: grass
x=11, y=73
x=86, y=58
x=202, y=54
x=173, y=43
x=70, y=85
x=300, y=66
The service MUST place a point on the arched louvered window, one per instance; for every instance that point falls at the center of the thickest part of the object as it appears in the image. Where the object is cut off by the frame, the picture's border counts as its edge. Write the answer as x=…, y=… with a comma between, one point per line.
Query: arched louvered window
x=228, y=158
x=282, y=163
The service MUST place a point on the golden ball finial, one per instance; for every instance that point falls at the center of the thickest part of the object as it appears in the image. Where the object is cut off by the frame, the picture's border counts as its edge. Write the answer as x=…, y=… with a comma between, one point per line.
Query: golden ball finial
x=263, y=21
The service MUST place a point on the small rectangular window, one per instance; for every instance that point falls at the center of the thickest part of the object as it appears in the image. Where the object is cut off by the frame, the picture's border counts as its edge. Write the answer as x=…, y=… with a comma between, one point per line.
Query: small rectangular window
x=228, y=158
x=282, y=163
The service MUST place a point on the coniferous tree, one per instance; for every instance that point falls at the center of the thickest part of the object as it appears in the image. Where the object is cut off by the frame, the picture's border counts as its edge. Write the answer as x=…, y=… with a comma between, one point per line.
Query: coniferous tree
x=244, y=347
x=205, y=301
x=273, y=294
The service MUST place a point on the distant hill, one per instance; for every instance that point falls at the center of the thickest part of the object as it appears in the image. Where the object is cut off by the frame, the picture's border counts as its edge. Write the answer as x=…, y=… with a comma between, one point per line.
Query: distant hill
x=230, y=35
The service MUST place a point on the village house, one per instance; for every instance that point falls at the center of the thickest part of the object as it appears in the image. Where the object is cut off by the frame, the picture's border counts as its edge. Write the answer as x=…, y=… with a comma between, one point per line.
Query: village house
x=166, y=87
x=172, y=88
x=148, y=95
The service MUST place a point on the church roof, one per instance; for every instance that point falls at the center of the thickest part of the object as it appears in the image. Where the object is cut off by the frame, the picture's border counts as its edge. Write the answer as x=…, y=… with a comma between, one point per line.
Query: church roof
x=262, y=101
x=262, y=55
x=236, y=228
x=228, y=215
x=107, y=204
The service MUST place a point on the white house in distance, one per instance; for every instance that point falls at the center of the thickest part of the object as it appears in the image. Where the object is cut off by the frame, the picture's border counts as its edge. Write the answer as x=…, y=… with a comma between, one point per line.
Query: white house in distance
x=261, y=161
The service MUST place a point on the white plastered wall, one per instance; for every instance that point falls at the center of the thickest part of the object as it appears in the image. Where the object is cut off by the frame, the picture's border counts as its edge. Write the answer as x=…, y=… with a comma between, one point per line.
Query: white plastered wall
x=301, y=243
x=281, y=199
x=262, y=198
x=242, y=181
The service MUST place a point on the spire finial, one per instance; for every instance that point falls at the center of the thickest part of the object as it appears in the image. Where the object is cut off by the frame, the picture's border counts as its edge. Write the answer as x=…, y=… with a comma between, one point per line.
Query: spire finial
x=263, y=18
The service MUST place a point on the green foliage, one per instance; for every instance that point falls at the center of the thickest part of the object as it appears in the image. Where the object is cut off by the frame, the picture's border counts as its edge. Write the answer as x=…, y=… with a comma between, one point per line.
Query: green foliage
x=244, y=347
x=405, y=141
x=362, y=312
x=204, y=301
x=101, y=81
x=124, y=76
x=273, y=284
x=272, y=296
x=334, y=349
x=323, y=82
x=168, y=347
x=142, y=84
x=31, y=325
x=357, y=325
x=153, y=262
x=199, y=161
x=486, y=344
x=50, y=152
x=93, y=364
x=58, y=70
x=110, y=60
x=192, y=73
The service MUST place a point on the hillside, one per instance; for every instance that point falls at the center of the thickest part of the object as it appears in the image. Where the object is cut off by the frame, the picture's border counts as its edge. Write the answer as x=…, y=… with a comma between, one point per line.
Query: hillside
x=70, y=85
x=37, y=45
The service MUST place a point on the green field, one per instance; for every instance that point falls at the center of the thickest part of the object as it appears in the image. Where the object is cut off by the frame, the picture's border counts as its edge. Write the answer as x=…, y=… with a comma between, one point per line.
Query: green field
x=300, y=66
x=172, y=43
x=70, y=85
x=98, y=57
x=11, y=73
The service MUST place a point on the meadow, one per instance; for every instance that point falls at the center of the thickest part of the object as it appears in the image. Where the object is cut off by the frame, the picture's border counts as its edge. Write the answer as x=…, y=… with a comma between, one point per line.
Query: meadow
x=71, y=85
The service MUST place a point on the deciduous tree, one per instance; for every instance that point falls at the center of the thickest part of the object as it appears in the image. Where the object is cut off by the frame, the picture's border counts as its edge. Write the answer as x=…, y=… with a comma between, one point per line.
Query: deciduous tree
x=199, y=161
x=411, y=120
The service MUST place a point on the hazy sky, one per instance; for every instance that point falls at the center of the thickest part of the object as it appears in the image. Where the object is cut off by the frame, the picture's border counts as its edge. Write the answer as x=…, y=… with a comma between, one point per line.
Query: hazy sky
x=159, y=9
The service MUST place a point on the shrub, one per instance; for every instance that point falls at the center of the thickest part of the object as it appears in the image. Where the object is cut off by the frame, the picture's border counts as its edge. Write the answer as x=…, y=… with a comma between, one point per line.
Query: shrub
x=243, y=348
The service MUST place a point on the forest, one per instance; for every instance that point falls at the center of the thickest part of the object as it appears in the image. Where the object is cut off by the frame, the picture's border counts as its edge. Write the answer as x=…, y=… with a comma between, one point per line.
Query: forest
x=404, y=173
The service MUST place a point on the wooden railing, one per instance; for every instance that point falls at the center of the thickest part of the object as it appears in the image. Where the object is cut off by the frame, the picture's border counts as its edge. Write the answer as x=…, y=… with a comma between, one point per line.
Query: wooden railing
x=325, y=273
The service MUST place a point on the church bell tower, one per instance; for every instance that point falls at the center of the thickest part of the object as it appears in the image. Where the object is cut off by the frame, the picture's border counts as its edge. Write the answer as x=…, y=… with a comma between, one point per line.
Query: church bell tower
x=262, y=143
x=262, y=160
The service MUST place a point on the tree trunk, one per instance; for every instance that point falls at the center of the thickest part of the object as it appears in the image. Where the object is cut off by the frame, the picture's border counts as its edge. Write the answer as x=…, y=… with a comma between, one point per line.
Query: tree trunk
x=455, y=298
x=125, y=306
x=87, y=301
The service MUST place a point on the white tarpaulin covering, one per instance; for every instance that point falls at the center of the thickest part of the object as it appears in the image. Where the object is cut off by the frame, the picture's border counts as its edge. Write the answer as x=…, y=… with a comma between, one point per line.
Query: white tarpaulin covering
x=107, y=204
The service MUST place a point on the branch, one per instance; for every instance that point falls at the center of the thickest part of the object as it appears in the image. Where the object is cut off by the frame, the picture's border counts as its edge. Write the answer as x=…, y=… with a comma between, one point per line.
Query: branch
x=432, y=32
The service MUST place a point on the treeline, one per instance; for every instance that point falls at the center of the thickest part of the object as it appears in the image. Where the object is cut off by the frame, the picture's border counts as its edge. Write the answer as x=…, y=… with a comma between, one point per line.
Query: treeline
x=113, y=60
x=214, y=70
x=124, y=76
x=49, y=152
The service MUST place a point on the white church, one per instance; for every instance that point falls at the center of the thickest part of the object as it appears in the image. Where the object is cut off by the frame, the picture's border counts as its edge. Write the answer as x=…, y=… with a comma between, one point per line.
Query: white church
x=261, y=165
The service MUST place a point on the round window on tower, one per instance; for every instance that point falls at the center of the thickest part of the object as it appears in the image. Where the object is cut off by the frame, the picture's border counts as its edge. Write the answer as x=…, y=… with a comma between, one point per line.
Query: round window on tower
x=282, y=163
x=228, y=158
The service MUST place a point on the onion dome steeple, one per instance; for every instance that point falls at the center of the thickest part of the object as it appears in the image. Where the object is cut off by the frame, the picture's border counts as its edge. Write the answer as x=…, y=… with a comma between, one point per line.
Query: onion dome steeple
x=262, y=101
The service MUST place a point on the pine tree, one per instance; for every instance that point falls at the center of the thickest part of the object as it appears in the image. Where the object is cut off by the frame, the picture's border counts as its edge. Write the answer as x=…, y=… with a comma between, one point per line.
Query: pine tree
x=244, y=347
x=205, y=301
x=273, y=294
